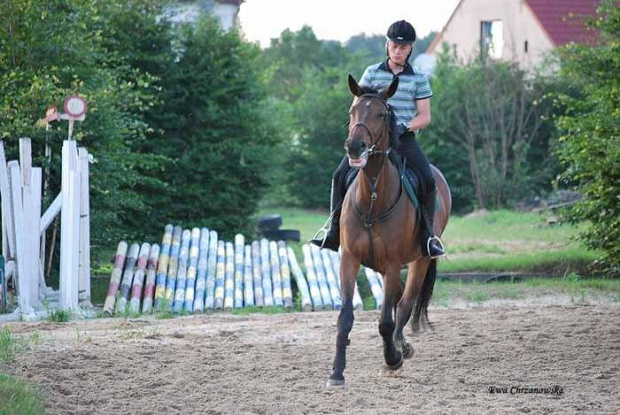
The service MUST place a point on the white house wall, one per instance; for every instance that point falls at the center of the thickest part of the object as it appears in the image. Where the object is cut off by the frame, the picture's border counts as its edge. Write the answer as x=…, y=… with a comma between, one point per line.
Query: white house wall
x=520, y=24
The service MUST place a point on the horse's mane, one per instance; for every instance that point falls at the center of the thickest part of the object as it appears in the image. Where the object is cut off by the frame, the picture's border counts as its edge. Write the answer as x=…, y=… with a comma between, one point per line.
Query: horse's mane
x=394, y=139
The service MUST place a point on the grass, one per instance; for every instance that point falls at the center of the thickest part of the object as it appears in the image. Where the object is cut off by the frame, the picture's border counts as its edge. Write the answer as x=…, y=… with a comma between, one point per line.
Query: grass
x=59, y=316
x=16, y=396
x=495, y=241
x=579, y=290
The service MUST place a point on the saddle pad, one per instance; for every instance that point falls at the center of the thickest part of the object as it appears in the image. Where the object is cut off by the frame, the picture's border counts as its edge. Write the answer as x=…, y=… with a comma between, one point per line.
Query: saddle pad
x=410, y=181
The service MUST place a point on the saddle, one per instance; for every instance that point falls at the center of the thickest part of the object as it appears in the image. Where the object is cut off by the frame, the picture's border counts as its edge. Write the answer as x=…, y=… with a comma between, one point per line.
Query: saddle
x=408, y=177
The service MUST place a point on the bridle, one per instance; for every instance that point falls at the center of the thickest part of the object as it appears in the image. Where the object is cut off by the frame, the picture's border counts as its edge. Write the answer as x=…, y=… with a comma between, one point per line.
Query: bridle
x=369, y=219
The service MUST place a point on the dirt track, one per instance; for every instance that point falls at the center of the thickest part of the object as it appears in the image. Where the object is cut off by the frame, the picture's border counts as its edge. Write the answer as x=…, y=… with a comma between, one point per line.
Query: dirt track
x=279, y=363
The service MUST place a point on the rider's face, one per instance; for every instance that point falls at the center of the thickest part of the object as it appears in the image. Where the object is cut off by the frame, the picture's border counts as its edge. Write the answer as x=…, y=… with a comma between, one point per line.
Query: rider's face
x=398, y=52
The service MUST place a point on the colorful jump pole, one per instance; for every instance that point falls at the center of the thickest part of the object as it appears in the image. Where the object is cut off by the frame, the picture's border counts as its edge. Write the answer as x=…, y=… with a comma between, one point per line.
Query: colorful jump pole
x=220, y=274
x=315, y=292
x=276, y=278
x=151, y=275
x=285, y=275
x=138, y=279
x=334, y=289
x=266, y=273
x=248, y=283
x=320, y=276
x=173, y=267
x=302, y=285
x=115, y=278
x=211, y=271
x=257, y=275
x=130, y=268
x=179, y=292
x=162, y=267
x=229, y=283
x=239, y=252
x=201, y=277
x=190, y=288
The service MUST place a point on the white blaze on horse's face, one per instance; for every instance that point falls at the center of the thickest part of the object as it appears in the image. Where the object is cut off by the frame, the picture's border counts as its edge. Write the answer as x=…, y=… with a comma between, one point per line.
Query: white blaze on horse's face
x=366, y=120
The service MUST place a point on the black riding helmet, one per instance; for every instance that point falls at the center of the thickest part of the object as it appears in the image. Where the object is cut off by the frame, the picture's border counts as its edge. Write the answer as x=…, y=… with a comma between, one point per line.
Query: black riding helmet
x=401, y=32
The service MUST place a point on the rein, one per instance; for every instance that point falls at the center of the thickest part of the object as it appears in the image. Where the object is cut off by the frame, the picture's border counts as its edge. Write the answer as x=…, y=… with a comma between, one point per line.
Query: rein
x=369, y=220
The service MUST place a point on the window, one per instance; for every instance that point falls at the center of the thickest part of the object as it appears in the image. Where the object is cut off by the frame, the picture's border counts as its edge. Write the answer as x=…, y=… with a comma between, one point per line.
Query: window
x=492, y=38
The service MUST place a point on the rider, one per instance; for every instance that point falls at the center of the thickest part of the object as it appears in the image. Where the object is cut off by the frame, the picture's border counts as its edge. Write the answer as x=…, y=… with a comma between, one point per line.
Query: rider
x=412, y=107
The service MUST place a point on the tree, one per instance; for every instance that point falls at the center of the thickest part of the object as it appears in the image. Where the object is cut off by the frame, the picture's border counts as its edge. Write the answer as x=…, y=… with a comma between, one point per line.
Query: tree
x=590, y=144
x=488, y=112
x=51, y=49
x=218, y=126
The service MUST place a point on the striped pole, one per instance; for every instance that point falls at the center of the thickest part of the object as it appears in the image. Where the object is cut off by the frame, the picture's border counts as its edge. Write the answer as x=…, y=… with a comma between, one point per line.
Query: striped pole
x=138, y=279
x=313, y=284
x=276, y=278
x=375, y=287
x=173, y=267
x=302, y=285
x=115, y=278
x=248, y=284
x=320, y=276
x=192, y=269
x=130, y=267
x=211, y=271
x=358, y=304
x=149, y=287
x=220, y=273
x=257, y=275
x=266, y=273
x=239, y=252
x=334, y=289
x=201, y=278
x=162, y=267
x=229, y=283
x=285, y=274
x=179, y=292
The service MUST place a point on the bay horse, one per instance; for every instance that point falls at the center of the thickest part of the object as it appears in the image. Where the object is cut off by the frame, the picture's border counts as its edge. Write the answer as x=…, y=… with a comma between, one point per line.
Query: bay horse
x=379, y=228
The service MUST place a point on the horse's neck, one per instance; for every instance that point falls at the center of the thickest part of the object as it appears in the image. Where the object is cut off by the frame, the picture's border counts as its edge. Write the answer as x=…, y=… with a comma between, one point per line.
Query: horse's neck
x=387, y=187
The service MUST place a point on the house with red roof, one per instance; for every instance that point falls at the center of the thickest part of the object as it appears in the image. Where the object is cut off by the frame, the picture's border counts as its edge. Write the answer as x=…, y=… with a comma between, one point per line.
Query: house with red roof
x=521, y=31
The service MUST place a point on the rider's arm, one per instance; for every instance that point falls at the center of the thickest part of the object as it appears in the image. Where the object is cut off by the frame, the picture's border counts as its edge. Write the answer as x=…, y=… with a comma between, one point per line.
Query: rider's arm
x=423, y=116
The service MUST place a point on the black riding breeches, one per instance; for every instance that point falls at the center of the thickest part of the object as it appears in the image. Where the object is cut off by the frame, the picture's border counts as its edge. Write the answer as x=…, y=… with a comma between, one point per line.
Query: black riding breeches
x=340, y=177
x=410, y=150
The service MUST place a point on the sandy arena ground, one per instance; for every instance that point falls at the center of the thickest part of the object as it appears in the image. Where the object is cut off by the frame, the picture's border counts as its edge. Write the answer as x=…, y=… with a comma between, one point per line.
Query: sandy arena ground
x=264, y=364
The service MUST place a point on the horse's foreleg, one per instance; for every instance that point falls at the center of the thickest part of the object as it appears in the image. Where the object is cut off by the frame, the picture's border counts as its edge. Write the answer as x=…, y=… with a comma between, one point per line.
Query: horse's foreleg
x=415, y=277
x=349, y=268
x=393, y=358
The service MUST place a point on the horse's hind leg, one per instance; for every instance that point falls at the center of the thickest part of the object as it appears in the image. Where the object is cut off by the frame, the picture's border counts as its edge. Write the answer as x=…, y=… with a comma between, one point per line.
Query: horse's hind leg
x=415, y=278
x=349, y=267
x=393, y=358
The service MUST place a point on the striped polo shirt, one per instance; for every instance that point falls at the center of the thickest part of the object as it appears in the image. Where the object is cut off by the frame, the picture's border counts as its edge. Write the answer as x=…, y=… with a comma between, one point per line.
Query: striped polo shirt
x=411, y=87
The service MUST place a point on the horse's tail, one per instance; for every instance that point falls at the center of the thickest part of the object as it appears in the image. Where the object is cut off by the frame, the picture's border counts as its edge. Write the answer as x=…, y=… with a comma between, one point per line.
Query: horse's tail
x=424, y=297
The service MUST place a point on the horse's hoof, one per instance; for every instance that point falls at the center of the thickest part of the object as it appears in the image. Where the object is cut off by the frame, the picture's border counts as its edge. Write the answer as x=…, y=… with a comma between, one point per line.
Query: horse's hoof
x=395, y=366
x=335, y=383
x=407, y=350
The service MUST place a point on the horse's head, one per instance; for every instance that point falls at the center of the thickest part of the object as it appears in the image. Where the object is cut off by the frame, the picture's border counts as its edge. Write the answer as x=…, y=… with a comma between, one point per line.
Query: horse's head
x=370, y=123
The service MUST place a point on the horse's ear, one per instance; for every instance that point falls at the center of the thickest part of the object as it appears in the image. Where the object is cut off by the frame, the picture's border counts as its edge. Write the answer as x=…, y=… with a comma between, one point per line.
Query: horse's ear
x=354, y=87
x=390, y=90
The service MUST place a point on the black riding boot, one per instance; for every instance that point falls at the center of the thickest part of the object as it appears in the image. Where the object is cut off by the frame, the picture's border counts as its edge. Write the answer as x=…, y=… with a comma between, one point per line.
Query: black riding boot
x=431, y=244
x=332, y=235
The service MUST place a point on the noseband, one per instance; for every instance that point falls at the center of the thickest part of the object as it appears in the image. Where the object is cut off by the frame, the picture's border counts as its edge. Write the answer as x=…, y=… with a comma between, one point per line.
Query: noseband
x=386, y=116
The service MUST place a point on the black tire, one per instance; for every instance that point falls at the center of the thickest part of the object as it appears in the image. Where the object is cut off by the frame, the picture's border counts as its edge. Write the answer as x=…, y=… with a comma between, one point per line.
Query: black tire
x=282, y=235
x=269, y=222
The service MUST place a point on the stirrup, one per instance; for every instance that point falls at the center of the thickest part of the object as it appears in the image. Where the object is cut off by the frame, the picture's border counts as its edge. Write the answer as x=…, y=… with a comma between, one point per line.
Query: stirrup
x=428, y=247
x=323, y=230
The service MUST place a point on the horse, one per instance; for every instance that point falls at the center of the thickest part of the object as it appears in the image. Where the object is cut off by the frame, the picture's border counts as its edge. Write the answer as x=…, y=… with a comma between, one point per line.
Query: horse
x=379, y=228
